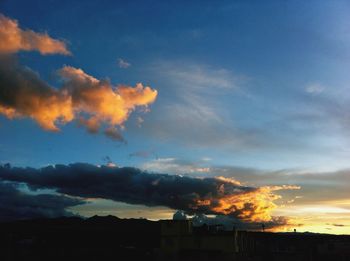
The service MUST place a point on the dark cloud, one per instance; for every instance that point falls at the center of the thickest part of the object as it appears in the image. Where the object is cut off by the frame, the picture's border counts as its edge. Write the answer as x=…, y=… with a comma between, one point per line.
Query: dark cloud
x=15, y=204
x=129, y=185
x=134, y=186
x=23, y=93
x=114, y=134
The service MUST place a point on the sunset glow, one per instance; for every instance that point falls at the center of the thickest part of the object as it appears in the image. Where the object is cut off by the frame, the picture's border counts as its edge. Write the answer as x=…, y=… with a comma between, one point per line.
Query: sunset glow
x=233, y=110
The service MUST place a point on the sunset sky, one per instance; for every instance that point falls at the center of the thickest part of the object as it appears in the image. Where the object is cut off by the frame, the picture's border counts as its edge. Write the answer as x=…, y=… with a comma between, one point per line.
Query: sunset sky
x=245, y=105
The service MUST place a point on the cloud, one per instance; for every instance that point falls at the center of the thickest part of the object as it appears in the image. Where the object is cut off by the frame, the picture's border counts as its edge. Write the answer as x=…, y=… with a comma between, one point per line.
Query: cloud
x=198, y=76
x=174, y=166
x=314, y=88
x=133, y=186
x=92, y=124
x=325, y=193
x=139, y=121
x=317, y=187
x=24, y=94
x=114, y=134
x=14, y=39
x=201, y=112
x=123, y=64
x=338, y=225
x=82, y=97
x=16, y=204
x=93, y=103
x=193, y=114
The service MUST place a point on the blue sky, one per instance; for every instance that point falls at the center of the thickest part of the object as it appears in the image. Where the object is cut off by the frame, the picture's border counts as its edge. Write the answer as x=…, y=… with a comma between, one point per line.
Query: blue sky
x=240, y=71
x=241, y=84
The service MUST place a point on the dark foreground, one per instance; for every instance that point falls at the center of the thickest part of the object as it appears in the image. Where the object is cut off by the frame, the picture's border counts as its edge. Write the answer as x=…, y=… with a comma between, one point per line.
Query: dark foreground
x=111, y=238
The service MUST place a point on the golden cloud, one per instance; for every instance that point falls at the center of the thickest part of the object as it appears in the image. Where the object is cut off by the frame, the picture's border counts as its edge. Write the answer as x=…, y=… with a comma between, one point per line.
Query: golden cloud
x=14, y=39
x=91, y=101
x=253, y=205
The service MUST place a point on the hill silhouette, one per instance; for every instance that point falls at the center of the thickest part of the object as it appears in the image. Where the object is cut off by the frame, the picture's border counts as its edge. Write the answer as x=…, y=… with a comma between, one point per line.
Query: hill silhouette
x=113, y=238
x=95, y=238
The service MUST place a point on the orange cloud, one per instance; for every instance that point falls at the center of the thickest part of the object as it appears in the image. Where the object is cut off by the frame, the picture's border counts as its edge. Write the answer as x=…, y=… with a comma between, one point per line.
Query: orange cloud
x=14, y=39
x=92, y=102
x=253, y=205
x=102, y=100
x=47, y=107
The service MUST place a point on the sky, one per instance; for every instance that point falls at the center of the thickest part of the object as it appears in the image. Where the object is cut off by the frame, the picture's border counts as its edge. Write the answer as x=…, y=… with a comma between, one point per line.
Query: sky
x=253, y=92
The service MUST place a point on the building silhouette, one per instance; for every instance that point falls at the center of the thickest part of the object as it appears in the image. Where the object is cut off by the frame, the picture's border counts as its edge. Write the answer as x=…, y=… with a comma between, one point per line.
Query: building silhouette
x=180, y=240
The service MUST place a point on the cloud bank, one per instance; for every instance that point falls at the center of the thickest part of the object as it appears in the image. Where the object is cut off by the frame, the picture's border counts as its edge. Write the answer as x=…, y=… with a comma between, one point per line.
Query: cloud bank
x=14, y=39
x=15, y=204
x=218, y=196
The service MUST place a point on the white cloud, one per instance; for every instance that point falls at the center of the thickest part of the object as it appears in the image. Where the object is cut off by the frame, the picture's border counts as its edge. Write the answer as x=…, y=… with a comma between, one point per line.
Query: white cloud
x=175, y=166
x=314, y=88
x=198, y=76
x=123, y=64
x=192, y=109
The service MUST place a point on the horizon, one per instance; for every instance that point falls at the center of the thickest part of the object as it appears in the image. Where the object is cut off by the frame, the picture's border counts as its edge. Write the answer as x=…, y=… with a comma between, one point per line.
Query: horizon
x=157, y=220
x=237, y=110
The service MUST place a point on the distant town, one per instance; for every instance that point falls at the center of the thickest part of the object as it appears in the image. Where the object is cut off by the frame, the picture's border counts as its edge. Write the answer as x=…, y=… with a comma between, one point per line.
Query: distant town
x=112, y=238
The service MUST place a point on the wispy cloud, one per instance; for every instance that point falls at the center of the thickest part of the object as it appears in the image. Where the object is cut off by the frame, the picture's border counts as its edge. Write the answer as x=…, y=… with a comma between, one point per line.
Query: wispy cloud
x=123, y=64
x=314, y=184
x=198, y=76
x=175, y=166
x=314, y=88
x=192, y=110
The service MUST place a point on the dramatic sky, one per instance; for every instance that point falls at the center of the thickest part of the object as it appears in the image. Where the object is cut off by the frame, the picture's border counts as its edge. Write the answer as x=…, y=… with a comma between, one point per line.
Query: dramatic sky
x=139, y=109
